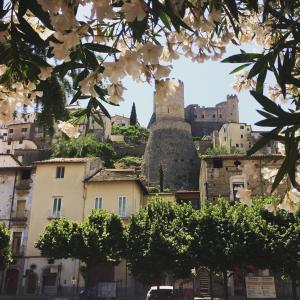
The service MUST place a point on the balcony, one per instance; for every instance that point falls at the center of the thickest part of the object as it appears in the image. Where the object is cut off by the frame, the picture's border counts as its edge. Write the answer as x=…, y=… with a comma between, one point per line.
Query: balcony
x=23, y=184
x=55, y=214
x=19, y=216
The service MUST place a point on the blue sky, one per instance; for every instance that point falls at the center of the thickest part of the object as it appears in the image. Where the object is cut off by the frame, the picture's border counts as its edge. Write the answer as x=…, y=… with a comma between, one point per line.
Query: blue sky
x=204, y=84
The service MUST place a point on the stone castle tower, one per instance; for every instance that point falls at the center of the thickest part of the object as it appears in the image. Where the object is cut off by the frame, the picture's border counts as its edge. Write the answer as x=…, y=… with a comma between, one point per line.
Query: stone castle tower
x=170, y=142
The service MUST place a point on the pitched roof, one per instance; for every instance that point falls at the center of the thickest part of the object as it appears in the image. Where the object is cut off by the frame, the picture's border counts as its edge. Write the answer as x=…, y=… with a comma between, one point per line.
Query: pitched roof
x=65, y=160
x=111, y=175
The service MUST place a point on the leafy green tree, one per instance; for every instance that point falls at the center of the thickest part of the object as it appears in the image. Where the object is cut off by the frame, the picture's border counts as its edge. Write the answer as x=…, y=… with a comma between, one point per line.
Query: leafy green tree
x=100, y=238
x=5, y=252
x=133, y=134
x=227, y=236
x=84, y=146
x=133, y=116
x=283, y=240
x=159, y=241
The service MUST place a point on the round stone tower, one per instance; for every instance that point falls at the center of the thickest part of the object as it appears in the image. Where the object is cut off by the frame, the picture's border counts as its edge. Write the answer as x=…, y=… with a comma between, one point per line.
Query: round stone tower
x=170, y=142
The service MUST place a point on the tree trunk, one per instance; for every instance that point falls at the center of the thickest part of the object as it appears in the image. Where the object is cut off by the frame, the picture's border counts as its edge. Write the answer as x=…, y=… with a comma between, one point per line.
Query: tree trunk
x=294, y=288
x=225, y=285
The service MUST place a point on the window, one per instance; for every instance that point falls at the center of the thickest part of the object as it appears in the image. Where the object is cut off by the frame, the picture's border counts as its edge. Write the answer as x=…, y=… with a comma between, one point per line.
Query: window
x=122, y=206
x=5, y=134
x=217, y=163
x=60, y=172
x=241, y=127
x=11, y=130
x=248, y=129
x=242, y=136
x=220, y=116
x=25, y=174
x=20, y=141
x=9, y=143
x=214, y=116
x=242, y=145
x=24, y=129
x=56, y=211
x=202, y=116
x=16, y=243
x=7, y=151
x=237, y=145
x=98, y=203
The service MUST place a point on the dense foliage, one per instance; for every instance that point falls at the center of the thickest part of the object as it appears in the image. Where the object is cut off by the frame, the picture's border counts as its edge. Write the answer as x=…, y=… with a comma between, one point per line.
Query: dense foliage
x=100, y=238
x=222, y=150
x=158, y=242
x=84, y=146
x=132, y=134
x=129, y=162
x=5, y=253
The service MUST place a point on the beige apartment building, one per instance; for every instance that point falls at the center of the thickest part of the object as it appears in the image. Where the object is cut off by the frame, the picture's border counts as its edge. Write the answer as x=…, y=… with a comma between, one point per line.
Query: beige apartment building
x=72, y=187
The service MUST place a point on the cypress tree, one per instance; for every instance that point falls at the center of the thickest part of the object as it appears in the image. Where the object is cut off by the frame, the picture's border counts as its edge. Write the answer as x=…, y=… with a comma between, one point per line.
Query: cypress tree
x=133, y=116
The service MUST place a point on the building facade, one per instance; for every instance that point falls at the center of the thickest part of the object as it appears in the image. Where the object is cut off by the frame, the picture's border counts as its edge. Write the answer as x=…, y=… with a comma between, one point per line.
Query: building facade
x=221, y=176
x=204, y=120
x=73, y=188
x=16, y=184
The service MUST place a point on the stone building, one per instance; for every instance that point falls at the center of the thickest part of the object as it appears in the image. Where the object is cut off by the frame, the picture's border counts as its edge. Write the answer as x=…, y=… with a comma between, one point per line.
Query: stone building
x=239, y=136
x=118, y=120
x=221, y=176
x=16, y=182
x=170, y=142
x=204, y=120
x=103, y=133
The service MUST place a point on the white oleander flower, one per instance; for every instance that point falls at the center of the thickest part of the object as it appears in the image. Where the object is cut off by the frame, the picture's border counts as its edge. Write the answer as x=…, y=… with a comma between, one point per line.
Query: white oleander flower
x=114, y=71
x=115, y=92
x=168, y=54
x=131, y=64
x=244, y=196
x=249, y=169
x=134, y=10
x=269, y=174
x=45, y=73
x=3, y=69
x=242, y=82
x=162, y=71
x=102, y=9
x=150, y=53
x=69, y=129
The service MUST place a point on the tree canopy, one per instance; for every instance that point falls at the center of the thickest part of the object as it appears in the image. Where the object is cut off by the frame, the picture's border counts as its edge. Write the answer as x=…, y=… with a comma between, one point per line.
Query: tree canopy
x=84, y=146
x=100, y=238
x=5, y=253
x=158, y=242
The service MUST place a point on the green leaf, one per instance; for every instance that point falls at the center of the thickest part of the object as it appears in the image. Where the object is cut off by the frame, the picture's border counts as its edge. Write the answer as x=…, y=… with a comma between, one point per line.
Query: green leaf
x=231, y=4
x=76, y=97
x=100, y=48
x=264, y=140
x=280, y=174
x=164, y=18
x=242, y=58
x=91, y=59
x=259, y=66
x=240, y=68
x=269, y=105
x=37, y=10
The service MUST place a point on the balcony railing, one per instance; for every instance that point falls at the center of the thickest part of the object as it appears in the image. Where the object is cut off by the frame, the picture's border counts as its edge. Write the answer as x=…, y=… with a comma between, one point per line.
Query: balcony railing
x=23, y=184
x=19, y=215
x=55, y=214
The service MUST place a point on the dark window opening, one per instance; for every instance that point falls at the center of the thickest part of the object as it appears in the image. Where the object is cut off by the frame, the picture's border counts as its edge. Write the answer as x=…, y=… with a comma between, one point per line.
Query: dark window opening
x=237, y=145
x=242, y=136
x=11, y=130
x=241, y=127
x=25, y=174
x=220, y=116
x=217, y=163
x=214, y=116
x=20, y=141
x=237, y=163
x=202, y=116
x=60, y=172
